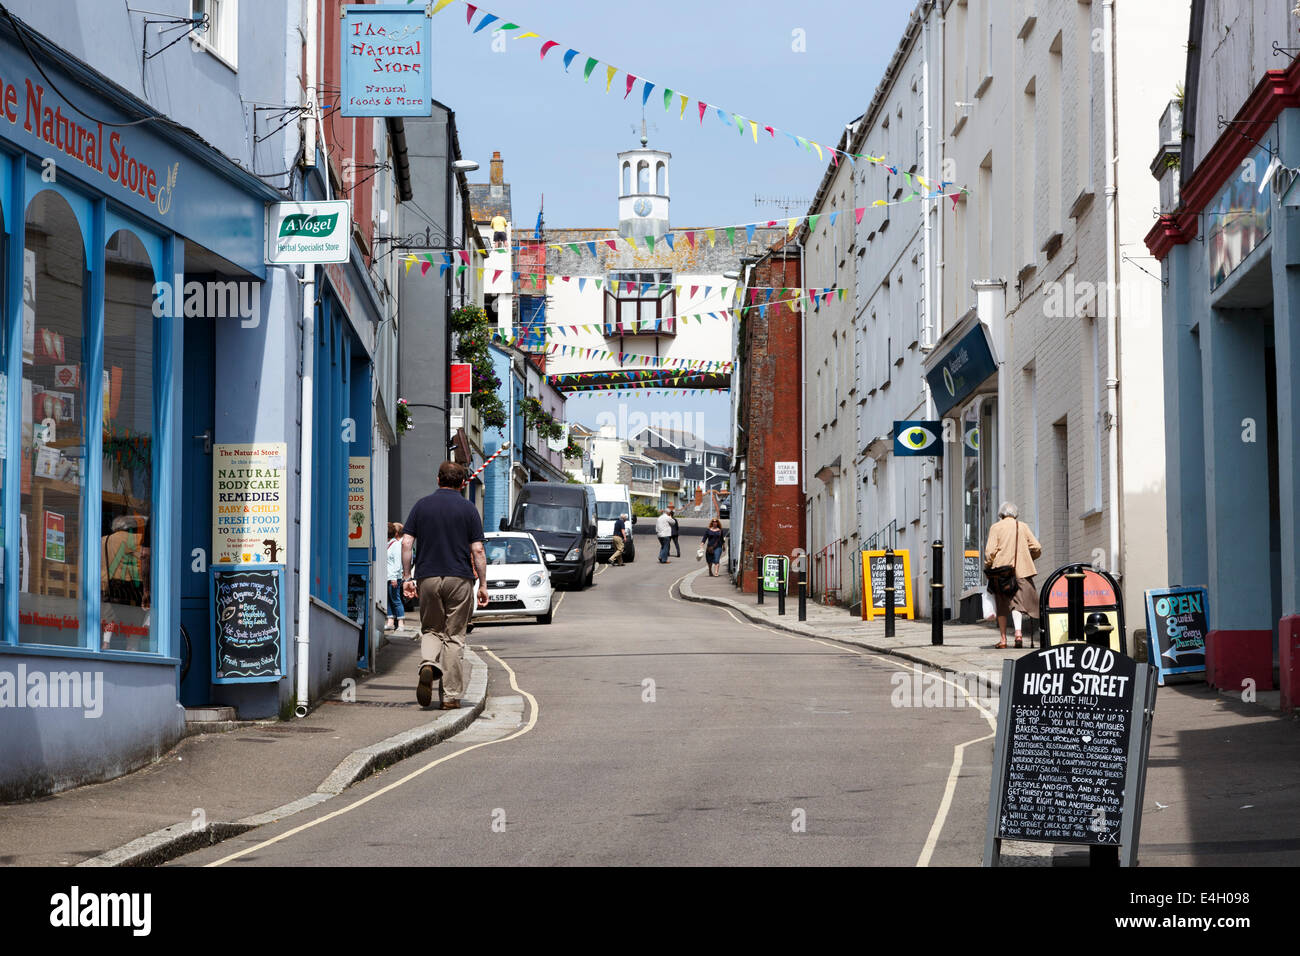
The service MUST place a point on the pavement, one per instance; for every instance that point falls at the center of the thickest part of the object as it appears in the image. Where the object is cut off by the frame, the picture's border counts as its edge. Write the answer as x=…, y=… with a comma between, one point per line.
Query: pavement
x=214, y=785
x=1221, y=774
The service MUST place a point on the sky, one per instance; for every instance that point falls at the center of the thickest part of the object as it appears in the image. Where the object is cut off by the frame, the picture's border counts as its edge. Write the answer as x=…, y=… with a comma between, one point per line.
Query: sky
x=809, y=68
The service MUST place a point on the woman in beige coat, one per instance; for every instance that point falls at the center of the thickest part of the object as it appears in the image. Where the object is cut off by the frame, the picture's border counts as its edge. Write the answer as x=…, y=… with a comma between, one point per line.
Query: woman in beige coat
x=1010, y=535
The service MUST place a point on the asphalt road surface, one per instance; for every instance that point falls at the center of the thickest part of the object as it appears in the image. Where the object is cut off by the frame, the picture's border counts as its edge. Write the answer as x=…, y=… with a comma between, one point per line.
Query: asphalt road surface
x=642, y=729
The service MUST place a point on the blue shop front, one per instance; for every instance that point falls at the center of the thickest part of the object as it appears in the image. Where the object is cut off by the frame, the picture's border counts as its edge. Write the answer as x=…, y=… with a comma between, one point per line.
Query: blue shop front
x=99, y=484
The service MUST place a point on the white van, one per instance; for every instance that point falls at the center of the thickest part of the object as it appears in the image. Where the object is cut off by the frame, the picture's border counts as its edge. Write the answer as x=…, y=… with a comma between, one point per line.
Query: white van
x=612, y=501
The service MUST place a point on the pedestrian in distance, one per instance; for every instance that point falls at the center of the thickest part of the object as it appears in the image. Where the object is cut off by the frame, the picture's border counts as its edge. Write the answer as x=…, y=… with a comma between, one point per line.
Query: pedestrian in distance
x=672, y=516
x=620, y=541
x=443, y=535
x=714, y=540
x=1012, y=544
x=664, y=532
x=396, y=612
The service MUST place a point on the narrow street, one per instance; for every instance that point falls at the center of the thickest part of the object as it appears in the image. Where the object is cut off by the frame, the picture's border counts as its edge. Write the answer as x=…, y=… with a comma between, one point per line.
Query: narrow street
x=747, y=726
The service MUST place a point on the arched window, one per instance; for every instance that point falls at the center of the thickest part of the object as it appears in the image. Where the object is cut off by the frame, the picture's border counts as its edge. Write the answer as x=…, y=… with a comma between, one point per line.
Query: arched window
x=54, y=375
x=643, y=177
x=627, y=178
x=661, y=178
x=126, y=533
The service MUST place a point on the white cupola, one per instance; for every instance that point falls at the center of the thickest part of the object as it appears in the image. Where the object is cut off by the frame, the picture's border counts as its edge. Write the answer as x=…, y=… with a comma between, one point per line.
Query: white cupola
x=643, y=191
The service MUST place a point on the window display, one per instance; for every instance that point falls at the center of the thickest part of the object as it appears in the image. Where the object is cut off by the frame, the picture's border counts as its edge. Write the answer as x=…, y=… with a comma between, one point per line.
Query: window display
x=52, y=604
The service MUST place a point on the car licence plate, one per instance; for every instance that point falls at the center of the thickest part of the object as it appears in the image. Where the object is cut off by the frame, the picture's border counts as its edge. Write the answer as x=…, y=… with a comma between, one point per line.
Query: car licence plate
x=502, y=598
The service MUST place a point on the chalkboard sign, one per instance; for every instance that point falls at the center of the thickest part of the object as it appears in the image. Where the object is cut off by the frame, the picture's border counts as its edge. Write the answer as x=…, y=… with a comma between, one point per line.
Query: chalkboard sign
x=1178, y=620
x=873, y=584
x=248, y=623
x=1070, y=757
x=972, y=572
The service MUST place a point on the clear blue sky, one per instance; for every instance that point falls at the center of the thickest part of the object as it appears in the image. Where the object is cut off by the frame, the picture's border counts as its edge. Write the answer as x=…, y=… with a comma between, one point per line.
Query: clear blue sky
x=558, y=135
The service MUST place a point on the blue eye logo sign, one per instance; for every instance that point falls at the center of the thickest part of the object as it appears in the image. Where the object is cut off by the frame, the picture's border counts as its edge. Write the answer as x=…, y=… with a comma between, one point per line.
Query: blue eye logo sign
x=918, y=439
x=971, y=441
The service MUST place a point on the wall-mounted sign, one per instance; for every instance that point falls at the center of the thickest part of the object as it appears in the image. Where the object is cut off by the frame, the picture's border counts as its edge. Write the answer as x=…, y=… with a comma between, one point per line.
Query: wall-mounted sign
x=873, y=584
x=961, y=369
x=1178, y=619
x=915, y=439
x=308, y=232
x=359, y=502
x=385, y=61
x=1241, y=216
x=250, y=507
x=787, y=473
x=1069, y=761
x=248, y=624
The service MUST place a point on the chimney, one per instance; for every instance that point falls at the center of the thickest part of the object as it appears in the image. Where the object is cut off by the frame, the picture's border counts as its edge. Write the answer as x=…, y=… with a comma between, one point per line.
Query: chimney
x=498, y=175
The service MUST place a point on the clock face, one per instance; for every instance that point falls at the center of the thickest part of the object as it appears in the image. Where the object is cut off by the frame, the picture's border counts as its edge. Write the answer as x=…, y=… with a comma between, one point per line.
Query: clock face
x=641, y=207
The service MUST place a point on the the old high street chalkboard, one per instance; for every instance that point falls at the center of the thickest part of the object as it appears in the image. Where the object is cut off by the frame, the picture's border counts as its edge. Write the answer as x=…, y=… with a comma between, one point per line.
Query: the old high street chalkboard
x=248, y=623
x=1070, y=758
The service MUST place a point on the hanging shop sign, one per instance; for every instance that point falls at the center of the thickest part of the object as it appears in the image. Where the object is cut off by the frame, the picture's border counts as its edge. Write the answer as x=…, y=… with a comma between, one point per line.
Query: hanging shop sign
x=250, y=503
x=873, y=584
x=1069, y=760
x=359, y=502
x=462, y=378
x=248, y=623
x=308, y=232
x=1103, y=605
x=384, y=52
x=915, y=439
x=1178, y=619
x=962, y=369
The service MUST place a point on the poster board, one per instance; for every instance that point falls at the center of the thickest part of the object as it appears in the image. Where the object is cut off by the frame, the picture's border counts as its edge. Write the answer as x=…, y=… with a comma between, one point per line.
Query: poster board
x=1069, y=761
x=1178, y=620
x=776, y=573
x=873, y=585
x=250, y=503
x=249, y=615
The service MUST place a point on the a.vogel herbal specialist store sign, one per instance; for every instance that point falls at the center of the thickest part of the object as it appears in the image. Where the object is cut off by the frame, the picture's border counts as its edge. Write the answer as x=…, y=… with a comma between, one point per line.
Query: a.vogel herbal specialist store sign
x=308, y=232
x=131, y=165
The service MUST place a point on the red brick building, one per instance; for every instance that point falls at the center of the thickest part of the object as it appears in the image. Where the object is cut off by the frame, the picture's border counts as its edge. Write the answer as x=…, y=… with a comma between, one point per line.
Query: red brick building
x=769, y=363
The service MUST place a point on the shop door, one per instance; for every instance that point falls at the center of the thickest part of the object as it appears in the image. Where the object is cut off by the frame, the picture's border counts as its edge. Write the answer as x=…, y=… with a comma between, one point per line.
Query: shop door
x=197, y=421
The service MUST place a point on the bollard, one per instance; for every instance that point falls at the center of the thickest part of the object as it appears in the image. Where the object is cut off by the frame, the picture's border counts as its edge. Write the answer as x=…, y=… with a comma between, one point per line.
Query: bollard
x=936, y=595
x=1074, y=605
x=803, y=594
x=889, y=592
x=760, y=581
x=780, y=598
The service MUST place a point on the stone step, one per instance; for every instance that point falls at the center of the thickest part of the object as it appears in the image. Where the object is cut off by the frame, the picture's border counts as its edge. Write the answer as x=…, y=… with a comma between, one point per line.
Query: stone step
x=208, y=714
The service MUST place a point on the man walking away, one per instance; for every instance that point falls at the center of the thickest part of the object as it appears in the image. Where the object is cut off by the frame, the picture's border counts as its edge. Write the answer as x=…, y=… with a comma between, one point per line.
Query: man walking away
x=664, y=532
x=620, y=540
x=672, y=516
x=450, y=535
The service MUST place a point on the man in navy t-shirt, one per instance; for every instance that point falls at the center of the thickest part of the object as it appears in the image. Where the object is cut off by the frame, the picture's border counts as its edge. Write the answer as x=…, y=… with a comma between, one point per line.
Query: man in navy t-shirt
x=450, y=555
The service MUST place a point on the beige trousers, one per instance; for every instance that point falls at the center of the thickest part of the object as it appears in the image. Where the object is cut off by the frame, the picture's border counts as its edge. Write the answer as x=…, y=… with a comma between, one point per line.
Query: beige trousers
x=446, y=605
x=617, y=557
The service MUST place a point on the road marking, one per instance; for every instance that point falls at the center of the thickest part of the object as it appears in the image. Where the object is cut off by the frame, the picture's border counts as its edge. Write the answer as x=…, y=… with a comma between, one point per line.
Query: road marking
x=532, y=722
x=558, y=601
x=941, y=817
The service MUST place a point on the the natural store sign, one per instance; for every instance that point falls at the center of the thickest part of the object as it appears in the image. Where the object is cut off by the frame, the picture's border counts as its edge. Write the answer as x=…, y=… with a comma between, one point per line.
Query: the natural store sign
x=71, y=134
x=308, y=232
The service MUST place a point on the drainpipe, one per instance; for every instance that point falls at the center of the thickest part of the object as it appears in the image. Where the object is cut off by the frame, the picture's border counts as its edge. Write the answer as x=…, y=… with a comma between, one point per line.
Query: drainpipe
x=1112, y=283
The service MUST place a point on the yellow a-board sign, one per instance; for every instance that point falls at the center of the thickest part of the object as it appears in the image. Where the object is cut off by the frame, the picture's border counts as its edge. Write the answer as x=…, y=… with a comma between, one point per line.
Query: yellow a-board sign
x=873, y=585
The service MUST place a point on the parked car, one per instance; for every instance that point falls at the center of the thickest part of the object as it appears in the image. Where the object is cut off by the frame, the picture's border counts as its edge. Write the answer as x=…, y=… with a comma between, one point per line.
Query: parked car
x=517, y=579
x=612, y=501
x=562, y=519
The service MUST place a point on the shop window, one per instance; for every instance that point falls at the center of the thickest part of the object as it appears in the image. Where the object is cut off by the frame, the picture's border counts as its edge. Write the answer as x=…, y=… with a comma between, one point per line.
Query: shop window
x=335, y=431
x=126, y=582
x=50, y=535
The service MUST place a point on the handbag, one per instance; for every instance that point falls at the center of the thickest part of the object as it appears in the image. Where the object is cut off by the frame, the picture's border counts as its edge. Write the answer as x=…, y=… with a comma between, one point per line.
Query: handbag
x=1002, y=579
x=699, y=555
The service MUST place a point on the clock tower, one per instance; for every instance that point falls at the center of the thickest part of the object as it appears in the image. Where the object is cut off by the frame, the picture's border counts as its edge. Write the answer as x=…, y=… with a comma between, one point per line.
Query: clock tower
x=643, y=191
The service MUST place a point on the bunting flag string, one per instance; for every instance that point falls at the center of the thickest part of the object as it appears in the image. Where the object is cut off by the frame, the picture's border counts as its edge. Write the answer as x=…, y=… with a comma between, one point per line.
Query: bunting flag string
x=727, y=117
